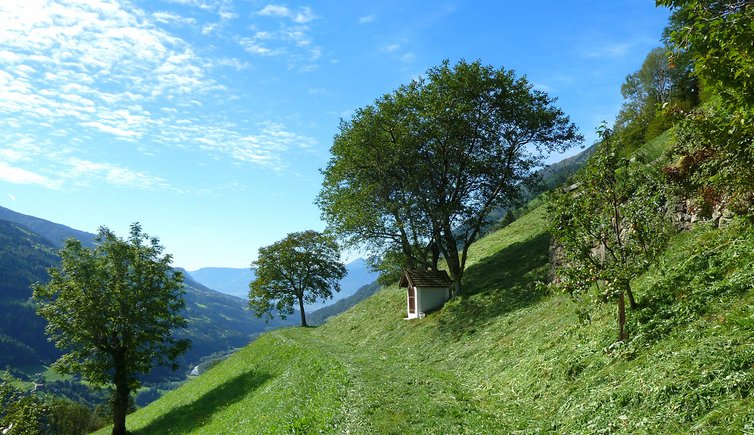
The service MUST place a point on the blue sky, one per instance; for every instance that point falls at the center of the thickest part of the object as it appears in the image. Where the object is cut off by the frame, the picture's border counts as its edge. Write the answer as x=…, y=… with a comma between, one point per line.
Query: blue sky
x=208, y=120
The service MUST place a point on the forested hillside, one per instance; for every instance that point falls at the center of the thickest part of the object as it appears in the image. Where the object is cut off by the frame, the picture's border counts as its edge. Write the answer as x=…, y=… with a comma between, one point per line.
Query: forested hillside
x=24, y=259
x=217, y=322
x=217, y=325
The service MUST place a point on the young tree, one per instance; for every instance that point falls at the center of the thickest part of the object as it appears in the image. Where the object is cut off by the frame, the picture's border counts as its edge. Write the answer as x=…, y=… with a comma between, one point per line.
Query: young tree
x=114, y=310
x=611, y=227
x=303, y=267
x=447, y=150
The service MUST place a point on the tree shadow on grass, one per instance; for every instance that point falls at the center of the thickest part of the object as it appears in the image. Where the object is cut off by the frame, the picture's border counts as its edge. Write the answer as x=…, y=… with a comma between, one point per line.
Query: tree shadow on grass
x=191, y=416
x=500, y=283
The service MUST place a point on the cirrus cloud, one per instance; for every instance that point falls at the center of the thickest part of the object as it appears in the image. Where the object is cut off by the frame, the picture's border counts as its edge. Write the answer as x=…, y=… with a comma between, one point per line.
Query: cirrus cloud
x=79, y=76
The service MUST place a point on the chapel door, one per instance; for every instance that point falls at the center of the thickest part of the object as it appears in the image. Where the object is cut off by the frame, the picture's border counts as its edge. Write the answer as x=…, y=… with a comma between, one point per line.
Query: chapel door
x=411, y=300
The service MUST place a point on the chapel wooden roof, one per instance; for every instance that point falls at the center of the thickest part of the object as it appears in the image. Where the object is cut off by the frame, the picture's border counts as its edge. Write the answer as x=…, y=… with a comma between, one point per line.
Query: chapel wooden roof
x=425, y=278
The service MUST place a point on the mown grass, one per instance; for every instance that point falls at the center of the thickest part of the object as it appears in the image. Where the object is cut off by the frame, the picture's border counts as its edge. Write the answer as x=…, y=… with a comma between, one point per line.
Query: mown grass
x=251, y=393
x=507, y=356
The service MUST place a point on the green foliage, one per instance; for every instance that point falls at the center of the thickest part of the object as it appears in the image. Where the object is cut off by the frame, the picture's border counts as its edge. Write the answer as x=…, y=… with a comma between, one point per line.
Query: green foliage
x=714, y=157
x=114, y=309
x=216, y=322
x=715, y=150
x=419, y=172
x=611, y=227
x=24, y=258
x=718, y=35
x=75, y=391
x=302, y=268
x=655, y=95
x=43, y=414
x=67, y=417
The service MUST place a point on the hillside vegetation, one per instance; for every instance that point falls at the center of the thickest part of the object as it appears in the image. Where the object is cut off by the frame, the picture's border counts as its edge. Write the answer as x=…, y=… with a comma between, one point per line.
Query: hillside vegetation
x=507, y=356
x=660, y=220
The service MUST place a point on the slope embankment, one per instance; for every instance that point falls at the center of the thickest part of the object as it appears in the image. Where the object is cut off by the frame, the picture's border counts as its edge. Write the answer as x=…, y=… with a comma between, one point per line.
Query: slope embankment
x=507, y=356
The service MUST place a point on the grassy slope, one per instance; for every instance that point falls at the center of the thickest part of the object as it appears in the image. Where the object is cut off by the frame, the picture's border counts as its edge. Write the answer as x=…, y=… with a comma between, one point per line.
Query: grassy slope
x=508, y=356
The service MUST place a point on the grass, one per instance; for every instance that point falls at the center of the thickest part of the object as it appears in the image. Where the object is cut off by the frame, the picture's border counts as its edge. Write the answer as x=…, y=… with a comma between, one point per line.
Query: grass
x=506, y=357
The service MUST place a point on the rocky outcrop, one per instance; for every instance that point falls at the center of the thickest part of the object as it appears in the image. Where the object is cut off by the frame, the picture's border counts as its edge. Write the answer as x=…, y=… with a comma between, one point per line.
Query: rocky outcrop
x=689, y=213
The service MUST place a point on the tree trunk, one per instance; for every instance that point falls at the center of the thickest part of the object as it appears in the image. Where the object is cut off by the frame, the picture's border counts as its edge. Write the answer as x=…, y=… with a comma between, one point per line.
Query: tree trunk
x=456, y=288
x=303, y=314
x=631, y=300
x=120, y=404
x=435, y=255
x=452, y=261
x=622, y=317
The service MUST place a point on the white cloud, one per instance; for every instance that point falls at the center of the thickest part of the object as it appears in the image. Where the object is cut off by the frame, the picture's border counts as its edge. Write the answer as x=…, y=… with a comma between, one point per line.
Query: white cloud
x=171, y=18
x=94, y=56
x=17, y=175
x=211, y=28
x=231, y=62
x=12, y=197
x=291, y=42
x=266, y=147
x=301, y=15
x=79, y=76
x=206, y=5
x=84, y=171
x=253, y=46
x=113, y=130
x=304, y=15
x=391, y=48
x=408, y=57
x=275, y=10
x=367, y=19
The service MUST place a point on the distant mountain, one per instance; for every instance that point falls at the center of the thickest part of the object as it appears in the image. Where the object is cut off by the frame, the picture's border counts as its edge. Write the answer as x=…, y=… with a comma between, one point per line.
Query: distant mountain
x=216, y=322
x=235, y=281
x=24, y=259
x=557, y=173
x=359, y=274
x=54, y=233
x=319, y=316
x=228, y=280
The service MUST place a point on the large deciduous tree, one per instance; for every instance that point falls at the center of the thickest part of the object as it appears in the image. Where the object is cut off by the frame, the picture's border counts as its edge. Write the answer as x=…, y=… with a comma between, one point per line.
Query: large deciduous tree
x=302, y=268
x=419, y=171
x=114, y=310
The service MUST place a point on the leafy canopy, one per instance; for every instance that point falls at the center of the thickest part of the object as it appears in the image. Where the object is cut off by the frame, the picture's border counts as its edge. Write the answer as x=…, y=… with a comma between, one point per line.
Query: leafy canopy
x=417, y=173
x=654, y=96
x=302, y=268
x=717, y=34
x=114, y=310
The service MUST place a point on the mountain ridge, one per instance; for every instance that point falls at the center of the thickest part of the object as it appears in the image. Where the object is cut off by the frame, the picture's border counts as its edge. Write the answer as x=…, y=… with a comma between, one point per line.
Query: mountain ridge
x=53, y=232
x=217, y=322
x=235, y=281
